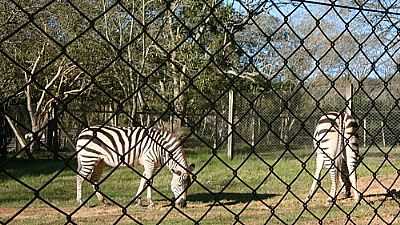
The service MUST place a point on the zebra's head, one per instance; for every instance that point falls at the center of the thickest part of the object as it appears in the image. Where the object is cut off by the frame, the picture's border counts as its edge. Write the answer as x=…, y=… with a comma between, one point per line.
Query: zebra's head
x=180, y=183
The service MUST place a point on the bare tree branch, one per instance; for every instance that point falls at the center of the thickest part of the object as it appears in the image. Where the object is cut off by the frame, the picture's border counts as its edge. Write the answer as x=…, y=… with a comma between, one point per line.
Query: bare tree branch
x=245, y=75
x=48, y=85
x=28, y=79
x=21, y=140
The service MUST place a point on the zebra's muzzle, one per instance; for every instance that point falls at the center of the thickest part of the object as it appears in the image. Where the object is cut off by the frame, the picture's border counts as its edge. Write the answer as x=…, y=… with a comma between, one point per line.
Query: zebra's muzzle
x=182, y=204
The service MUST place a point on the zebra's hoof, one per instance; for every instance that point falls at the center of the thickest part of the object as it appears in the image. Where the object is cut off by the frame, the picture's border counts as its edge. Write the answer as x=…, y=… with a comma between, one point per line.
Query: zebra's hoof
x=329, y=201
x=138, y=203
x=107, y=203
x=346, y=194
x=357, y=200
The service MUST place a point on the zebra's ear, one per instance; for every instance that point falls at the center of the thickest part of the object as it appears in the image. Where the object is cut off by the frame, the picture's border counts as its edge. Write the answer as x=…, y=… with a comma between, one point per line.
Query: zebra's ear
x=191, y=167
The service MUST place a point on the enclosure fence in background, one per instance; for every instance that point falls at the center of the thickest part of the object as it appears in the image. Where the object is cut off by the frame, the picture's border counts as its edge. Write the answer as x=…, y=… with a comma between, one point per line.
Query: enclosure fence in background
x=241, y=84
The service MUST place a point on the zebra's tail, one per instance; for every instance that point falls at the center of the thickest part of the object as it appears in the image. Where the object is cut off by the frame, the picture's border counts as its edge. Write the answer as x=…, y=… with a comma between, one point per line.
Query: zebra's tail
x=341, y=128
x=344, y=172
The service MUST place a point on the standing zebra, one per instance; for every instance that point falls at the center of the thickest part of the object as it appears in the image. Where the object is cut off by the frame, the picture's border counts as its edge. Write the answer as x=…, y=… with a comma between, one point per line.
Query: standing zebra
x=113, y=146
x=336, y=143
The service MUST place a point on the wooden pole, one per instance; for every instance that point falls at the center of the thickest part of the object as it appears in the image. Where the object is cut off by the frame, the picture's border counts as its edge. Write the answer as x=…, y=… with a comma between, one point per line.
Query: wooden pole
x=230, y=124
x=349, y=97
x=52, y=131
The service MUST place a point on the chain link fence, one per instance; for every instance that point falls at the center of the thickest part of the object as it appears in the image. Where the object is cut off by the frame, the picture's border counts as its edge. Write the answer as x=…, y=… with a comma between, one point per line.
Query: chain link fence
x=67, y=65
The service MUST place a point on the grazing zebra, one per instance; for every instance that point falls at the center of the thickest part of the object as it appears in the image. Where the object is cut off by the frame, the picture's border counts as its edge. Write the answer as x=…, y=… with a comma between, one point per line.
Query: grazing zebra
x=113, y=146
x=336, y=143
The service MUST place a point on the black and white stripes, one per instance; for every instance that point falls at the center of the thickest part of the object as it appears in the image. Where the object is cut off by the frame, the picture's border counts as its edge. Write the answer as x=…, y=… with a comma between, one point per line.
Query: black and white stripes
x=117, y=146
x=336, y=143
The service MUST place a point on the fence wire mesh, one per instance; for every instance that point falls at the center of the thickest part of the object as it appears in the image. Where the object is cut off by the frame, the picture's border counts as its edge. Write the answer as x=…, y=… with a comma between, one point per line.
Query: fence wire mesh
x=258, y=73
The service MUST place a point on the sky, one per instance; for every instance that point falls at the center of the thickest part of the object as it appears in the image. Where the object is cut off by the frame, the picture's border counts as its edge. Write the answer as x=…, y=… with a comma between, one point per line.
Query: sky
x=379, y=48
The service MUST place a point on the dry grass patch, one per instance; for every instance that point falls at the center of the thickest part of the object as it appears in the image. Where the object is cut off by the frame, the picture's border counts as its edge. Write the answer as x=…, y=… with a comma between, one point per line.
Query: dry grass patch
x=287, y=209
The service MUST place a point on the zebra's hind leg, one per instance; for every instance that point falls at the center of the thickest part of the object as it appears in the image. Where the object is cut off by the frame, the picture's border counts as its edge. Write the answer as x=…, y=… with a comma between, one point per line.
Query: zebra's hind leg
x=333, y=171
x=345, y=184
x=95, y=177
x=99, y=195
x=353, y=184
x=317, y=174
x=79, y=181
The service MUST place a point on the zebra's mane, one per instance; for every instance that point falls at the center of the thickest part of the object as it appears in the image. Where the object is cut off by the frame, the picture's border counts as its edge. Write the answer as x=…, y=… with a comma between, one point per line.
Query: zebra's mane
x=177, y=135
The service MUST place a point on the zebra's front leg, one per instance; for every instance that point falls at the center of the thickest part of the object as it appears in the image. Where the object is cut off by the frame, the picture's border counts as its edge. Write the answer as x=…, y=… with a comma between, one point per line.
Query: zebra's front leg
x=151, y=204
x=149, y=183
x=139, y=191
x=145, y=180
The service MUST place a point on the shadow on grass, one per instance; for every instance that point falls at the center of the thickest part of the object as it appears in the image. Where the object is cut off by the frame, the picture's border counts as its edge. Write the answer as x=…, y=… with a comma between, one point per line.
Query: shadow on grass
x=391, y=194
x=228, y=198
x=36, y=167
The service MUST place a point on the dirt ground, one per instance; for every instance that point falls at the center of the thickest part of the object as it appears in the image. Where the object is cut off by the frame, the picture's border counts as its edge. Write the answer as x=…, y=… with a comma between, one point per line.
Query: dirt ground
x=376, y=193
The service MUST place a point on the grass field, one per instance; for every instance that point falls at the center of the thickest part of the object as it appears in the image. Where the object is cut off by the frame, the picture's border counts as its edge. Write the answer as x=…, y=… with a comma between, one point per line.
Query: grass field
x=272, y=202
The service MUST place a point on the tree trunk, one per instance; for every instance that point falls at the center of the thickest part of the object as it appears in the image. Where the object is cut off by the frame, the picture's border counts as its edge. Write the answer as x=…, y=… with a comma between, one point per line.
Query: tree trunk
x=289, y=126
x=19, y=137
x=67, y=137
x=35, y=142
x=178, y=106
x=281, y=133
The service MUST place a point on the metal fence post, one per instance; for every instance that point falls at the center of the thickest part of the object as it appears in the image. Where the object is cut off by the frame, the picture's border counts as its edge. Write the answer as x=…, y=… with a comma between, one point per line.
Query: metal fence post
x=230, y=123
x=383, y=133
